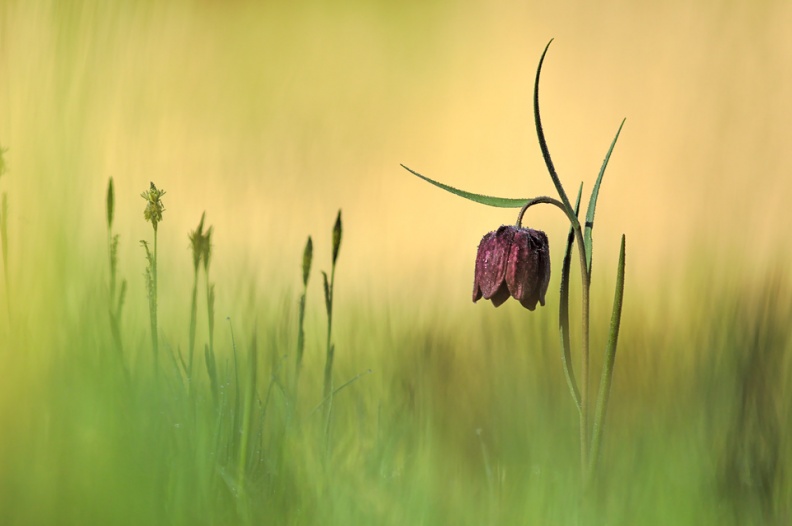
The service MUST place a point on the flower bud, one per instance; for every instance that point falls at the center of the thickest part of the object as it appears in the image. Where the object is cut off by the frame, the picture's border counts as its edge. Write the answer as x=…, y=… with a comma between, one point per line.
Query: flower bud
x=307, y=257
x=110, y=203
x=197, y=241
x=514, y=262
x=336, y=237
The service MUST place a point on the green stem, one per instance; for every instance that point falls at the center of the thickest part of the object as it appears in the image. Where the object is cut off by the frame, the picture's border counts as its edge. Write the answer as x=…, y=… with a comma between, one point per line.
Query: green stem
x=607, y=369
x=585, y=278
x=563, y=312
x=300, y=343
x=154, y=329
x=328, y=373
x=193, y=323
x=210, y=310
x=4, y=241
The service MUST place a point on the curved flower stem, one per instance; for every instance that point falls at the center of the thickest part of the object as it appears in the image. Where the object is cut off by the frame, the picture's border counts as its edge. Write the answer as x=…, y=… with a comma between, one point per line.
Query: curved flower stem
x=585, y=278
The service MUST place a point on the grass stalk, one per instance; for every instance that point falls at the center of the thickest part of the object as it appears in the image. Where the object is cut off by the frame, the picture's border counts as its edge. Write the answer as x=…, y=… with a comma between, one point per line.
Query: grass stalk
x=193, y=323
x=329, y=291
x=201, y=247
x=247, y=415
x=154, y=328
x=306, y=269
x=4, y=240
x=116, y=297
x=153, y=214
x=586, y=286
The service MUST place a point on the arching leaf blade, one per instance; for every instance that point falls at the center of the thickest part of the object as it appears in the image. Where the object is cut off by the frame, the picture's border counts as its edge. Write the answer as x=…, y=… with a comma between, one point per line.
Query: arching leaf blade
x=563, y=312
x=499, y=202
x=543, y=142
x=592, y=206
x=607, y=367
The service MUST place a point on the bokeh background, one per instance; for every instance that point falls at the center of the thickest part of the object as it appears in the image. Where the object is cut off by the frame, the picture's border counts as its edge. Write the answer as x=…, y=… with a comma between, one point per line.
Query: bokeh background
x=271, y=116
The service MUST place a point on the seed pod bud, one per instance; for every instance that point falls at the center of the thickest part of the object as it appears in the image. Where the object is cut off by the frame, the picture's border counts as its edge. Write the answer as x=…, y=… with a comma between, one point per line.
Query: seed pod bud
x=197, y=242
x=337, y=237
x=307, y=257
x=110, y=203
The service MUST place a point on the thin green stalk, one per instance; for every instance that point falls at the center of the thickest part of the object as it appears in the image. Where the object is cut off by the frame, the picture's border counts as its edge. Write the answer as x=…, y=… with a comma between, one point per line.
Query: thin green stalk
x=329, y=290
x=607, y=369
x=247, y=415
x=193, y=322
x=585, y=275
x=328, y=373
x=586, y=285
x=328, y=392
x=339, y=389
x=209, y=354
x=563, y=313
x=154, y=328
x=153, y=214
x=4, y=234
x=306, y=270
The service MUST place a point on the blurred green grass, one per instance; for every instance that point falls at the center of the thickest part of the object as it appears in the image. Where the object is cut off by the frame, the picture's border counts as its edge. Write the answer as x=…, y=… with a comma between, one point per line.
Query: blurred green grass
x=464, y=419
x=270, y=118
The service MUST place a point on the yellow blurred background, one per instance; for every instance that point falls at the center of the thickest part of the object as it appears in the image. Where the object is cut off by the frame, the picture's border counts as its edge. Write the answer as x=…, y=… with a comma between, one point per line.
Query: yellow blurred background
x=272, y=115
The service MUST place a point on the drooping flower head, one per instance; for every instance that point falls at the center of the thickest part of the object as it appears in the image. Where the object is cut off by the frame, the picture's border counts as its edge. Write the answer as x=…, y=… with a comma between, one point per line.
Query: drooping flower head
x=154, y=206
x=513, y=261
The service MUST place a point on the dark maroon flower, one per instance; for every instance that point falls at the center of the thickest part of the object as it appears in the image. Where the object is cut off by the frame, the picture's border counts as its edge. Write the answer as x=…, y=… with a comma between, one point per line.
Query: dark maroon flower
x=514, y=262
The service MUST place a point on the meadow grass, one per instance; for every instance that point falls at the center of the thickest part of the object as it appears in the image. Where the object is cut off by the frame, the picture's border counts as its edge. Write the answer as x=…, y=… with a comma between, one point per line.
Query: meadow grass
x=464, y=419
x=271, y=117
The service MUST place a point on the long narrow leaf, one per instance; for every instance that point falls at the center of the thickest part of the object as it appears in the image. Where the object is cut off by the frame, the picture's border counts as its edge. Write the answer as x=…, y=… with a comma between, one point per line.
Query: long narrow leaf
x=499, y=202
x=592, y=206
x=563, y=312
x=543, y=143
x=607, y=368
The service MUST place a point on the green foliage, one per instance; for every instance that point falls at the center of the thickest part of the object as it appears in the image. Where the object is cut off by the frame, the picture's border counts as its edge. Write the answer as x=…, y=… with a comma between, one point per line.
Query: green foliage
x=592, y=206
x=500, y=202
x=405, y=441
x=585, y=244
x=110, y=204
x=306, y=261
x=337, y=231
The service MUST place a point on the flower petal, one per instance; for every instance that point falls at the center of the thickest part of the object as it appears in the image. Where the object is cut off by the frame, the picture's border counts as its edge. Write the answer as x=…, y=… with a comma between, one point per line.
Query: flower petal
x=528, y=268
x=500, y=296
x=491, y=263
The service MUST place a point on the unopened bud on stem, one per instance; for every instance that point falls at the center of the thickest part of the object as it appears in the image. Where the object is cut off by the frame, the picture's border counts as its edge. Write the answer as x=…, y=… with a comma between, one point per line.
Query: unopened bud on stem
x=337, y=230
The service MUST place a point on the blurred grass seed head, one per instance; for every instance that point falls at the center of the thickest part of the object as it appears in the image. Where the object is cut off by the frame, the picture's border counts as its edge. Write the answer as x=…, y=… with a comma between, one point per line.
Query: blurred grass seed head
x=154, y=207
